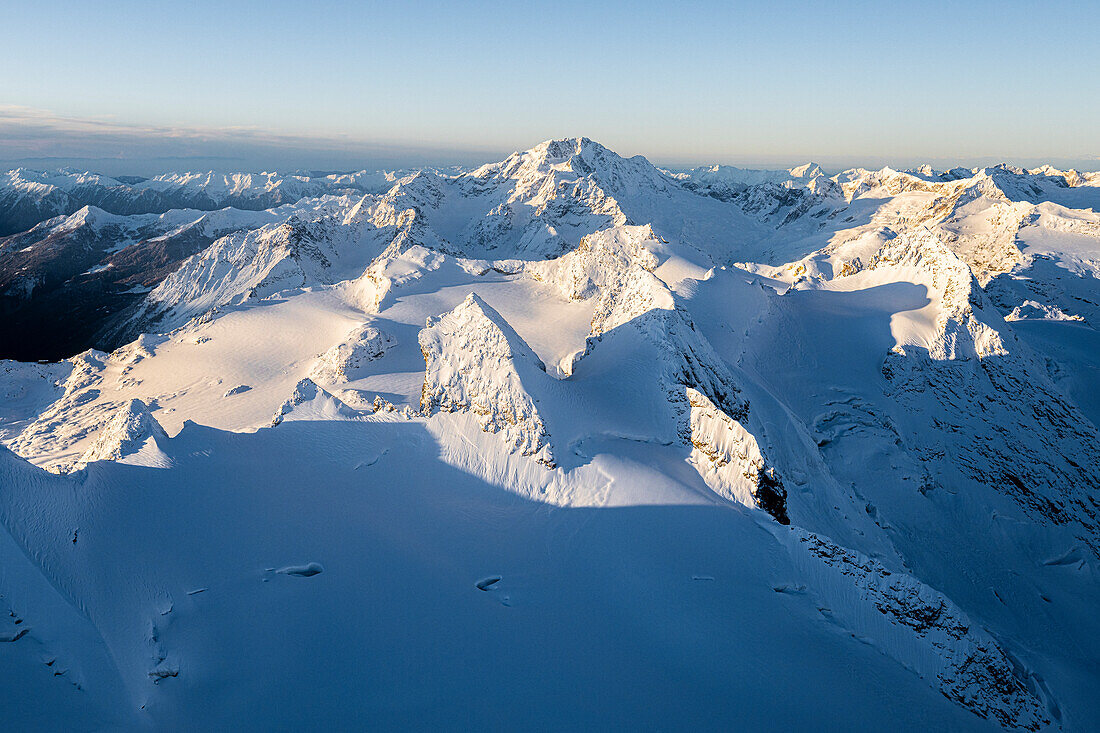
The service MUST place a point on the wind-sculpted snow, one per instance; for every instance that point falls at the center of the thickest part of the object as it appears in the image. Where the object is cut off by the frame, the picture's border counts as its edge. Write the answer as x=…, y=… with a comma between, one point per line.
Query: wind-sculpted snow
x=292, y=253
x=964, y=327
x=330, y=241
x=616, y=268
x=310, y=402
x=1023, y=437
x=766, y=427
x=545, y=201
x=73, y=416
x=72, y=280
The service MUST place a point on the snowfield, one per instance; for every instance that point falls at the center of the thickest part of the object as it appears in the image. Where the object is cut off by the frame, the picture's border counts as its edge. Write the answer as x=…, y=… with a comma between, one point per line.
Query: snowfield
x=562, y=442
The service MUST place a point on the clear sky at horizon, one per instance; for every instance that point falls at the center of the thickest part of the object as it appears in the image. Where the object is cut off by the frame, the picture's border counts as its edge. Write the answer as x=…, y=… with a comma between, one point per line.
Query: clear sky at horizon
x=289, y=83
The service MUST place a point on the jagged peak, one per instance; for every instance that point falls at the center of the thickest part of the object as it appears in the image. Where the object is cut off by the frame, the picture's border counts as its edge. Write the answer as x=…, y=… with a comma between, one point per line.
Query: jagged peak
x=577, y=155
x=88, y=215
x=309, y=401
x=1007, y=168
x=614, y=265
x=474, y=312
x=125, y=434
x=474, y=361
x=343, y=362
x=561, y=149
x=806, y=170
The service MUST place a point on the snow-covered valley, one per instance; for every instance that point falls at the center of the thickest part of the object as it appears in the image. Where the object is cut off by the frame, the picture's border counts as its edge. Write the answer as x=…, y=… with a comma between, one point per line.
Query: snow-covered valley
x=564, y=441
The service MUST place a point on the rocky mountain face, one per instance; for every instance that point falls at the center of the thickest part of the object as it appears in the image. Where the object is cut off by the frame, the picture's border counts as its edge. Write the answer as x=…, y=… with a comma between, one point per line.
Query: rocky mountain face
x=882, y=380
x=65, y=279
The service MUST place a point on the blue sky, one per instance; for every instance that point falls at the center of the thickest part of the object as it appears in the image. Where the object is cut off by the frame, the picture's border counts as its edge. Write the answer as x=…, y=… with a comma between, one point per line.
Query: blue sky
x=343, y=84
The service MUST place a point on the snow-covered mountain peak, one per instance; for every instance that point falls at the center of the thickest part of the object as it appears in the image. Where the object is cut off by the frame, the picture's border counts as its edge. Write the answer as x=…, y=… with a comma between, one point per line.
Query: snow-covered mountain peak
x=562, y=150
x=46, y=181
x=476, y=362
x=308, y=401
x=572, y=158
x=559, y=154
x=806, y=170
x=477, y=320
x=132, y=429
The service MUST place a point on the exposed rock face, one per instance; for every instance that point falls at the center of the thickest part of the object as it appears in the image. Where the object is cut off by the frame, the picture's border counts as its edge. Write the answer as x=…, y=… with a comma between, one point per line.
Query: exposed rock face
x=475, y=362
x=1007, y=426
x=296, y=249
x=897, y=421
x=535, y=204
x=68, y=282
x=967, y=664
x=730, y=460
x=615, y=267
x=28, y=197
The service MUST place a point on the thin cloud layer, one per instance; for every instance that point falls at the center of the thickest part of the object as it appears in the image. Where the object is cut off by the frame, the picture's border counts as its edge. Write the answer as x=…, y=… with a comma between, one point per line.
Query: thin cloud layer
x=39, y=138
x=35, y=136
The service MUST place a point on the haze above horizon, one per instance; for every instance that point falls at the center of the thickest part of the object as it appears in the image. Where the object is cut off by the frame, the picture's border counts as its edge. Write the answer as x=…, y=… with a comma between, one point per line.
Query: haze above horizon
x=129, y=87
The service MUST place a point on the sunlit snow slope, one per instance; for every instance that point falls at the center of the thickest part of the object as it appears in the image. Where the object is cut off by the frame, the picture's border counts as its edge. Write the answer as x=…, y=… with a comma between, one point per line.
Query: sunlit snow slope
x=567, y=441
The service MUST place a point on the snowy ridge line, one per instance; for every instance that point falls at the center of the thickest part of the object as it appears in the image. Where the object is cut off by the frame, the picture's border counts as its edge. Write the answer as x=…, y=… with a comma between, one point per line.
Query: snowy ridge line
x=923, y=629
x=969, y=356
x=28, y=197
x=543, y=202
x=730, y=461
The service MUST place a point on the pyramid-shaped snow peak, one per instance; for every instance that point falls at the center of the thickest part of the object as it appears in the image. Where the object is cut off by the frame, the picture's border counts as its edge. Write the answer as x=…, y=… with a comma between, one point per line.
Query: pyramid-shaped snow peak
x=582, y=158
x=550, y=153
x=475, y=362
x=806, y=170
x=132, y=429
x=310, y=402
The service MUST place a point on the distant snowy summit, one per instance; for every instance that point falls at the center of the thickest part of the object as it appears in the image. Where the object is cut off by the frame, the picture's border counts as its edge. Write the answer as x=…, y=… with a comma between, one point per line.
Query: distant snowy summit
x=28, y=197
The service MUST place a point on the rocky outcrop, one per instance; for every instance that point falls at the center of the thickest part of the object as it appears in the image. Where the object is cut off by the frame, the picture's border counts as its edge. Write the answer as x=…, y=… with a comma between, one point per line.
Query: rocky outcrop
x=981, y=405
x=730, y=461
x=70, y=419
x=922, y=629
x=344, y=361
x=310, y=402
